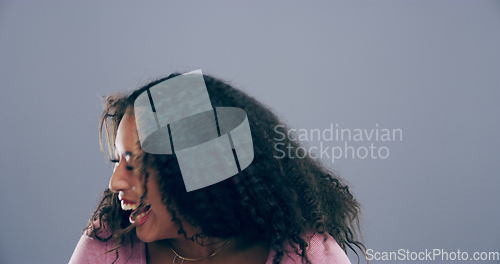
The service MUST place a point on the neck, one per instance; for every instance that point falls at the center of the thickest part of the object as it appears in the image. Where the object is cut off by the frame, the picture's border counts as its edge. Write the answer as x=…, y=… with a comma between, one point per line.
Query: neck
x=237, y=251
x=189, y=249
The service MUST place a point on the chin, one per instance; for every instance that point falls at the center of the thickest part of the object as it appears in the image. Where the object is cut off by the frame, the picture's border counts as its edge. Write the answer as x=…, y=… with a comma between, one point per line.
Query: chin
x=145, y=237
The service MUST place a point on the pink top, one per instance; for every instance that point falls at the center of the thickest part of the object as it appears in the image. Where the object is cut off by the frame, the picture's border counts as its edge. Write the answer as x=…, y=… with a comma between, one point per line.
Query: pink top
x=90, y=250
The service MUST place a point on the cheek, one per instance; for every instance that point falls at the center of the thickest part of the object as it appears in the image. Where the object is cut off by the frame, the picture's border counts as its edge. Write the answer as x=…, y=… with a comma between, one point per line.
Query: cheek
x=163, y=215
x=163, y=218
x=164, y=226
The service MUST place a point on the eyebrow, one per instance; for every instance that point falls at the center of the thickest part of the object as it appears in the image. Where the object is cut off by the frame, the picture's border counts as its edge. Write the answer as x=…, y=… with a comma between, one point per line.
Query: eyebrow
x=127, y=154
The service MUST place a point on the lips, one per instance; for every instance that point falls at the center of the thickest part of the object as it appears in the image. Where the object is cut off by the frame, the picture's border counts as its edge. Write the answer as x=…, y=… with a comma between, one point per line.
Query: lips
x=140, y=210
x=128, y=205
x=140, y=215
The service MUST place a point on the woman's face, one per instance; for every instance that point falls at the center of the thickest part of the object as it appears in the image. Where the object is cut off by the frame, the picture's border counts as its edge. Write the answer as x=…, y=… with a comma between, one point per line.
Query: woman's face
x=154, y=221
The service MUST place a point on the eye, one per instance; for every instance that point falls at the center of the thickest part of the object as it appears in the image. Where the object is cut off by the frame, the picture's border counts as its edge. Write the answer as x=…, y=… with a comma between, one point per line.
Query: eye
x=115, y=161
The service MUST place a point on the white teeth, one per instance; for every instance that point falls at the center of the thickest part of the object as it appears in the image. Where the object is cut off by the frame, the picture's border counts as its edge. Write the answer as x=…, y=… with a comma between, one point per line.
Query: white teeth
x=140, y=216
x=127, y=206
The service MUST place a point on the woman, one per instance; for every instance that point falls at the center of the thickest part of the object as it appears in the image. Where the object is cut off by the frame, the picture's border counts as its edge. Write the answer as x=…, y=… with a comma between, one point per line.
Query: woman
x=279, y=209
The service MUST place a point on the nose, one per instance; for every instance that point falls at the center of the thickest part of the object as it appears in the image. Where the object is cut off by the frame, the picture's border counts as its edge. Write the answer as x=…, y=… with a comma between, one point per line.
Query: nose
x=120, y=179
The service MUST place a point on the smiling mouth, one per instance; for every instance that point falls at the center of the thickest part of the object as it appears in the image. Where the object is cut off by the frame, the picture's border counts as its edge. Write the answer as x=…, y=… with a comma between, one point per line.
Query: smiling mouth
x=128, y=205
x=140, y=214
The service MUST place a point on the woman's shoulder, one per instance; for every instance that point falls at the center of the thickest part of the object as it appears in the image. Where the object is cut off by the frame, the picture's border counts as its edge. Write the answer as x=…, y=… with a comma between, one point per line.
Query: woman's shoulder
x=319, y=251
x=329, y=251
x=90, y=249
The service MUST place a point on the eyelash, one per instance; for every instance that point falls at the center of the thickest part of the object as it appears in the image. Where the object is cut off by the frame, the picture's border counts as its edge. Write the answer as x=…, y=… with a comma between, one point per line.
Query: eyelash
x=116, y=161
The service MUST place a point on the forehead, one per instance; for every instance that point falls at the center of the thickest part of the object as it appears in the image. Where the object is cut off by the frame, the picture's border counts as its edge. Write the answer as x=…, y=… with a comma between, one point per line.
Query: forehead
x=126, y=136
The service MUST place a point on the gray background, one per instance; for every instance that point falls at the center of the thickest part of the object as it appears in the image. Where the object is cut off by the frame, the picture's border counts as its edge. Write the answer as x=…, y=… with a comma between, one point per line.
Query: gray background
x=428, y=67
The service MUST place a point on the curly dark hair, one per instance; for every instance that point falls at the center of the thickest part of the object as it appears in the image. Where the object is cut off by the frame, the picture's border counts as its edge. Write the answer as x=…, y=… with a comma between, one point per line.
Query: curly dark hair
x=274, y=200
